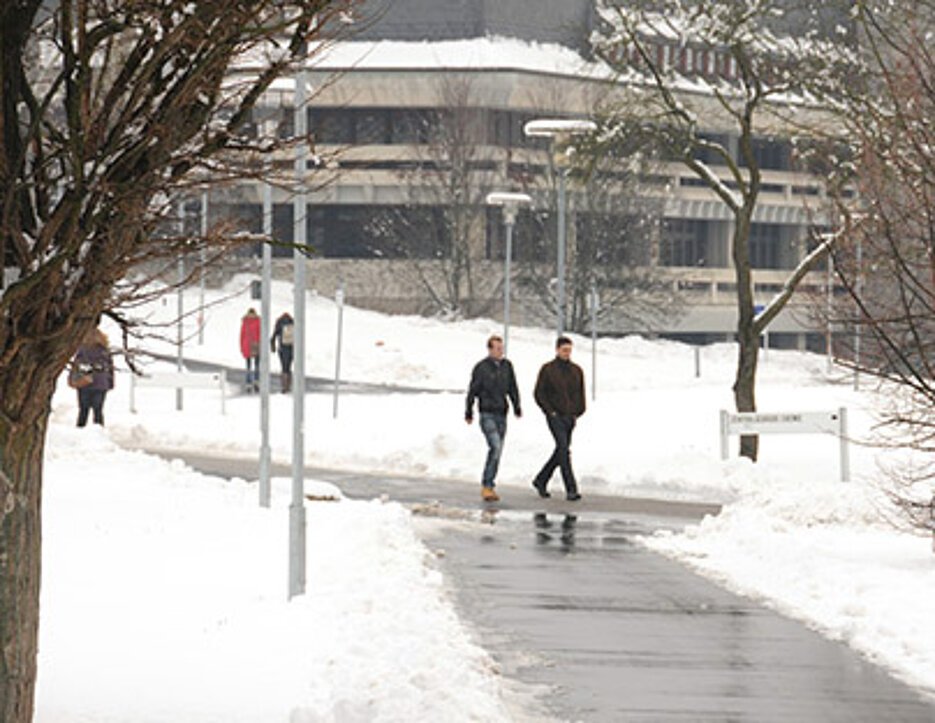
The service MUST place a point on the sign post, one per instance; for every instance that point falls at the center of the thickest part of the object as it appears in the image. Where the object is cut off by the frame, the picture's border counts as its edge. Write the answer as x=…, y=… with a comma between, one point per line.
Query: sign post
x=789, y=423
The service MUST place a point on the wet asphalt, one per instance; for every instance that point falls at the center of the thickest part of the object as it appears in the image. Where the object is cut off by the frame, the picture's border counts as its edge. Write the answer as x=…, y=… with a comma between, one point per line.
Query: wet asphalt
x=238, y=376
x=588, y=625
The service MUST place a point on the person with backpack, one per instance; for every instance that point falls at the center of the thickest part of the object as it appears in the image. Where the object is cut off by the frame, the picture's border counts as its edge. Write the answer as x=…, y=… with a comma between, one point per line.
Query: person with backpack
x=283, y=339
x=250, y=348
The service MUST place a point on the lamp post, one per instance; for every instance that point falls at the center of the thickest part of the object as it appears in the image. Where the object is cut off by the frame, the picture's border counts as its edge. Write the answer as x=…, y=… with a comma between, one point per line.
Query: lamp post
x=265, y=324
x=560, y=131
x=204, y=262
x=180, y=337
x=510, y=203
x=300, y=209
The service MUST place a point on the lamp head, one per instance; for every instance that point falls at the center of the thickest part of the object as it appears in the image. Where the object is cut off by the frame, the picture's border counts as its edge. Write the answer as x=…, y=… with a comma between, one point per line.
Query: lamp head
x=510, y=202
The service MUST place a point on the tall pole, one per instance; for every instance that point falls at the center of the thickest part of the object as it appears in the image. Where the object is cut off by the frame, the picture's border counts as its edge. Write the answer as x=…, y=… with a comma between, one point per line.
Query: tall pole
x=204, y=262
x=339, y=299
x=181, y=309
x=300, y=210
x=829, y=337
x=506, y=281
x=857, y=322
x=265, y=319
x=593, y=341
x=562, y=172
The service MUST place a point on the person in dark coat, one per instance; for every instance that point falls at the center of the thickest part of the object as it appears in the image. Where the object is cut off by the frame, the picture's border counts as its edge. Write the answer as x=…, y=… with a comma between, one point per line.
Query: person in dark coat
x=560, y=395
x=283, y=339
x=250, y=347
x=493, y=382
x=94, y=359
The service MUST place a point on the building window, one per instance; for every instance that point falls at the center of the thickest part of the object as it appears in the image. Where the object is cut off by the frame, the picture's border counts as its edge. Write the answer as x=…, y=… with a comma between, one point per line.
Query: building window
x=372, y=126
x=684, y=242
x=772, y=154
x=766, y=246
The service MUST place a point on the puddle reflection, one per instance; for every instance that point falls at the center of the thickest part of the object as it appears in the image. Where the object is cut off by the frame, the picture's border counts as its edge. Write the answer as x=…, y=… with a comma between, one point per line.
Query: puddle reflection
x=548, y=531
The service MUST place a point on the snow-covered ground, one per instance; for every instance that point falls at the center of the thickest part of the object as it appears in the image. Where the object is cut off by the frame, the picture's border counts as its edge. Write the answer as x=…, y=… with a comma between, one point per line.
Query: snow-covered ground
x=791, y=533
x=164, y=600
x=653, y=429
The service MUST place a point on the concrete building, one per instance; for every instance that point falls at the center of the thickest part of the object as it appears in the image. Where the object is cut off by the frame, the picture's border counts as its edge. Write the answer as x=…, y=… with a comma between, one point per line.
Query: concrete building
x=502, y=63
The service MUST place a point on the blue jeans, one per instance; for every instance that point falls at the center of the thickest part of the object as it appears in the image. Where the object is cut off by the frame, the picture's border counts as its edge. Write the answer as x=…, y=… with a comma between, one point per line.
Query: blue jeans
x=494, y=428
x=253, y=370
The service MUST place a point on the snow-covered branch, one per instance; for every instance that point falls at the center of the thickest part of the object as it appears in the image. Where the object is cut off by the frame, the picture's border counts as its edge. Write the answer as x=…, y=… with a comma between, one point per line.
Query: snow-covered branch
x=778, y=302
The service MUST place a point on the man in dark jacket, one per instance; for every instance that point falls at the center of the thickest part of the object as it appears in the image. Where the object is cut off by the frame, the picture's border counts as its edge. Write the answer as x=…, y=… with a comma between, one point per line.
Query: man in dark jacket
x=560, y=395
x=492, y=382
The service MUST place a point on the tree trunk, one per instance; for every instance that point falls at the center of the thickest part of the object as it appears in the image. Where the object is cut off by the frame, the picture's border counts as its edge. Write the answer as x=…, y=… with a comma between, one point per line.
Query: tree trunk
x=21, y=450
x=745, y=387
x=747, y=339
x=27, y=382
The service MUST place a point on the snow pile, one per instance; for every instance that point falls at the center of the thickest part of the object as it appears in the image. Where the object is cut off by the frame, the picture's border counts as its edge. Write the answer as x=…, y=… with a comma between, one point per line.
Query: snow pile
x=822, y=553
x=164, y=599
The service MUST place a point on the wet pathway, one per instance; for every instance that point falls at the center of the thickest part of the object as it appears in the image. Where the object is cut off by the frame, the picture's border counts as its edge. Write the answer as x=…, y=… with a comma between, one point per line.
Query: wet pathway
x=623, y=634
x=238, y=376
x=565, y=598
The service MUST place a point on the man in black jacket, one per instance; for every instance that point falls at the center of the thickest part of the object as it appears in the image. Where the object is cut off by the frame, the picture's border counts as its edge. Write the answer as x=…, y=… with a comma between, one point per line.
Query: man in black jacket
x=560, y=395
x=492, y=382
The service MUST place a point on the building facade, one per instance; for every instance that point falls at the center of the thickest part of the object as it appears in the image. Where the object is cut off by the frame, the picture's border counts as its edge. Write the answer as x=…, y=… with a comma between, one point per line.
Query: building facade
x=395, y=200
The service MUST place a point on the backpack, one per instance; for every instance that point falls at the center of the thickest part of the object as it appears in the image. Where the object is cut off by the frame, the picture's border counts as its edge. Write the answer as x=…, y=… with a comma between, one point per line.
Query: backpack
x=287, y=334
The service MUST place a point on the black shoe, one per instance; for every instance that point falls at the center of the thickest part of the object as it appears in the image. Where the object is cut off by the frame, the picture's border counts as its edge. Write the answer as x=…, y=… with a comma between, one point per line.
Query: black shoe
x=573, y=497
x=540, y=488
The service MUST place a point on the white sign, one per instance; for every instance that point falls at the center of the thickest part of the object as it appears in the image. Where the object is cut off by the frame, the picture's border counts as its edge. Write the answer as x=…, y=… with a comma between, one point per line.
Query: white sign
x=180, y=380
x=748, y=423
x=794, y=423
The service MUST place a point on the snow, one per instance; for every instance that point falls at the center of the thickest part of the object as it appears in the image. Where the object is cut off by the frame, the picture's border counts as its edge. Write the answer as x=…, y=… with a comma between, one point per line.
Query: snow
x=484, y=53
x=791, y=533
x=164, y=599
x=648, y=400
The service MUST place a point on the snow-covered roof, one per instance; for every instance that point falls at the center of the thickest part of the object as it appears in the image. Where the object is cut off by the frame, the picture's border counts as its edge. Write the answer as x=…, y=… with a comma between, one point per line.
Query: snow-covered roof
x=484, y=53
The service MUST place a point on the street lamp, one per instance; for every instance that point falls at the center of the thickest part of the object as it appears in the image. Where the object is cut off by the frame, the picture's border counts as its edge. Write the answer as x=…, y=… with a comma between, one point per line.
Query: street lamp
x=560, y=131
x=300, y=209
x=510, y=202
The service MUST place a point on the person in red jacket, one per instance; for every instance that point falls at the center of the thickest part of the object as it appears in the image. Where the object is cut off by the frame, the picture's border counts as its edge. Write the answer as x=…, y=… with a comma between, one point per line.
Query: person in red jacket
x=250, y=348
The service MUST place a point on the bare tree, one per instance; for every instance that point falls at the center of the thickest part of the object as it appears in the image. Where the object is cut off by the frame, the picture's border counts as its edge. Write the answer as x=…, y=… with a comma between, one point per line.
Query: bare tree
x=614, y=235
x=106, y=109
x=446, y=183
x=885, y=261
x=689, y=59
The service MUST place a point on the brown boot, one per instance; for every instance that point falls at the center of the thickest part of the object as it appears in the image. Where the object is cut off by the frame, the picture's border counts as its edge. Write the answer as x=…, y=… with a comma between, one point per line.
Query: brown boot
x=489, y=494
x=286, y=382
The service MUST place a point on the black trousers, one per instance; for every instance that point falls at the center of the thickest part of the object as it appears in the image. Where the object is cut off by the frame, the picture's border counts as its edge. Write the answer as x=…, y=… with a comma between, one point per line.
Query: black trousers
x=561, y=428
x=91, y=400
x=285, y=358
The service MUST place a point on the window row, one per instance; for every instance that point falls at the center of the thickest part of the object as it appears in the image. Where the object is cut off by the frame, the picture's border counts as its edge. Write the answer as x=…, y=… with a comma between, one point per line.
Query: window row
x=456, y=127
x=365, y=231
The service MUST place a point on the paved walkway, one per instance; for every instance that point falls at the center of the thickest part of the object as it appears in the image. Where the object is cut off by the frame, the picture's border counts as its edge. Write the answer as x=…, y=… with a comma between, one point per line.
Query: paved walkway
x=238, y=375
x=567, y=601
x=620, y=633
